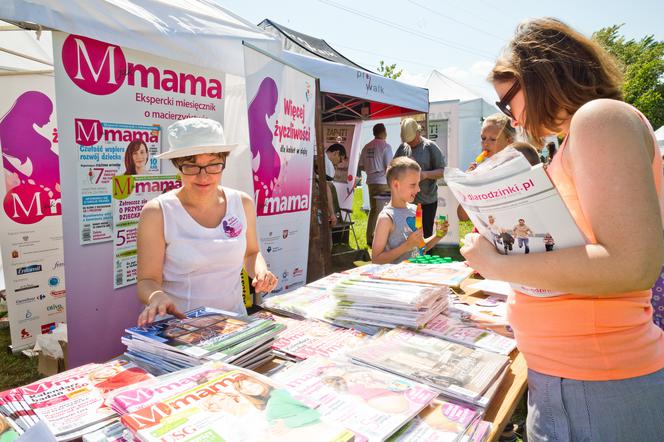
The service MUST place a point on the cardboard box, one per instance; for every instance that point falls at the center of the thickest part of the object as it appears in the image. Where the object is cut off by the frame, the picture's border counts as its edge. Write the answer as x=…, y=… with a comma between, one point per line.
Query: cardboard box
x=48, y=365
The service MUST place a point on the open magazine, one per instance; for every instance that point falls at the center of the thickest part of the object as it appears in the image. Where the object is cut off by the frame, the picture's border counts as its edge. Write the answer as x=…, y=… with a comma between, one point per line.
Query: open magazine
x=516, y=207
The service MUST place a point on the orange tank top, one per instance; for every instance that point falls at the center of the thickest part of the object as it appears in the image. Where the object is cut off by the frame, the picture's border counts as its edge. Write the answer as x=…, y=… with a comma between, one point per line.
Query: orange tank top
x=593, y=338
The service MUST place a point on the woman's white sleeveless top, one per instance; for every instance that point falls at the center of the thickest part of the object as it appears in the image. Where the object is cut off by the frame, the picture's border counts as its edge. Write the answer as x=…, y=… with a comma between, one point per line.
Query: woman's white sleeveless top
x=202, y=265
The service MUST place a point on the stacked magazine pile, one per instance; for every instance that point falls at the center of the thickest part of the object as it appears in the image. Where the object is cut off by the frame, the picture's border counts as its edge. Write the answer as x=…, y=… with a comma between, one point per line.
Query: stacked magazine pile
x=72, y=403
x=456, y=371
x=454, y=329
x=367, y=300
x=205, y=334
x=488, y=313
x=235, y=406
x=442, y=421
x=445, y=274
x=313, y=338
x=372, y=403
x=304, y=302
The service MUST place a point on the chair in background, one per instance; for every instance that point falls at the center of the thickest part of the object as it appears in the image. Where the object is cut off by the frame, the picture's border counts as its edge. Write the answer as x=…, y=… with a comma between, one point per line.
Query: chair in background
x=343, y=229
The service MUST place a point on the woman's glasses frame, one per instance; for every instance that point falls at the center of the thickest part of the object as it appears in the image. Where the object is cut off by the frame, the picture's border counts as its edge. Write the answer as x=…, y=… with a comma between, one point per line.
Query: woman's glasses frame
x=210, y=169
x=504, y=103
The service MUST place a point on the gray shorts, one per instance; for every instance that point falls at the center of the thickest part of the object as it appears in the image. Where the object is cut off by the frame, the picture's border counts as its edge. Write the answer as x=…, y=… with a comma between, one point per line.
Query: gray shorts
x=562, y=410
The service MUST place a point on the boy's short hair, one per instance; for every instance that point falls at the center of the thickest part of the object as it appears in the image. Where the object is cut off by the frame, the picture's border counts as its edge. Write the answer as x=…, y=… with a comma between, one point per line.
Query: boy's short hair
x=399, y=166
x=528, y=151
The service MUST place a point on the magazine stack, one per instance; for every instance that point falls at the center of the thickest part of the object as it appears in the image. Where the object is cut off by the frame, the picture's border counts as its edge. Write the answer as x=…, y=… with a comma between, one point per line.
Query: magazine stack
x=454, y=329
x=363, y=299
x=372, y=403
x=456, y=371
x=73, y=403
x=235, y=405
x=313, y=338
x=205, y=334
x=442, y=421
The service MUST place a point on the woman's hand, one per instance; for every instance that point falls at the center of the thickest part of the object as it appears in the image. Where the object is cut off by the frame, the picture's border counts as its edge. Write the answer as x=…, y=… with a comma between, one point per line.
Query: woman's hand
x=160, y=304
x=480, y=255
x=264, y=281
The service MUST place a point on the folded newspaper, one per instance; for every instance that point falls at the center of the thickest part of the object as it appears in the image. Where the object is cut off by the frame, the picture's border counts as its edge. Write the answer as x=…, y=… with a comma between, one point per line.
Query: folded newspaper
x=516, y=207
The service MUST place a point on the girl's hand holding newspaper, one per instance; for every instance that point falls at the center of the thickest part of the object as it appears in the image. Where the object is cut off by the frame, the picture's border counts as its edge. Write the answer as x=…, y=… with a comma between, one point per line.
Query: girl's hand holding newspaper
x=480, y=255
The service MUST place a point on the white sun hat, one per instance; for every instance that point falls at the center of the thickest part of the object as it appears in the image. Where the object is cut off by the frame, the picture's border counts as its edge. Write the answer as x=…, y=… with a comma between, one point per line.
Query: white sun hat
x=195, y=136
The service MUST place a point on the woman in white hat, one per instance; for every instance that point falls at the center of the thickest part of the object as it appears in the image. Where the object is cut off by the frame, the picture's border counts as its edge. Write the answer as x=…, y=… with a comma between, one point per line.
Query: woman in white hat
x=194, y=241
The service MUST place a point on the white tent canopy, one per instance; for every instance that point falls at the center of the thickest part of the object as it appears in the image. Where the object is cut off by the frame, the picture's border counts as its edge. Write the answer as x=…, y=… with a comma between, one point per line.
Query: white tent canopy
x=198, y=32
x=24, y=52
x=443, y=88
x=341, y=79
x=469, y=109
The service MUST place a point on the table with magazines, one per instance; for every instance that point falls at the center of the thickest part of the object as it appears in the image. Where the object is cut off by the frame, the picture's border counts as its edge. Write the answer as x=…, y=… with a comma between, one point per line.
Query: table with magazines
x=405, y=352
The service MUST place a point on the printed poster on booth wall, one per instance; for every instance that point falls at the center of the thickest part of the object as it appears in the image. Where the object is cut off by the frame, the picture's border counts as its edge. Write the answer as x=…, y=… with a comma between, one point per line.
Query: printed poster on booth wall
x=117, y=104
x=338, y=144
x=130, y=193
x=281, y=110
x=30, y=219
x=107, y=149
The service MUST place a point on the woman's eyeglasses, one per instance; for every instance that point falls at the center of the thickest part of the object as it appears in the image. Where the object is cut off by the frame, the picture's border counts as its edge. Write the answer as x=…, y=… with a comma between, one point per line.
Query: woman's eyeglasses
x=504, y=103
x=194, y=169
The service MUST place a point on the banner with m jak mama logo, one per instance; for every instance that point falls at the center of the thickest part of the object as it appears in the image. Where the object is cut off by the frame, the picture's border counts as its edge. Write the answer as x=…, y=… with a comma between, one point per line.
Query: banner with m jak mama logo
x=30, y=219
x=281, y=109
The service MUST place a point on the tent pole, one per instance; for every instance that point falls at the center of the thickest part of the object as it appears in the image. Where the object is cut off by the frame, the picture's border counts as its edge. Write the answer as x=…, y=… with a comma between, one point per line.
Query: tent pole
x=320, y=241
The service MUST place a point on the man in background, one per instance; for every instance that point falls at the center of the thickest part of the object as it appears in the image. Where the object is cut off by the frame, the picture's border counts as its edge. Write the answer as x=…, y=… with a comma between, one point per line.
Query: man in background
x=374, y=159
x=432, y=161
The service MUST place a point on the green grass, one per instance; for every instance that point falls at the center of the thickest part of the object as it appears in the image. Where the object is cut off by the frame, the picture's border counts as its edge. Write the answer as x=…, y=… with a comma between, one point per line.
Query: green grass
x=16, y=369
x=360, y=217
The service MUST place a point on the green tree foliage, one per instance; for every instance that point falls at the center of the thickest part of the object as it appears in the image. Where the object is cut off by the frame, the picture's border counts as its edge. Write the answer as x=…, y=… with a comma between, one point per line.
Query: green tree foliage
x=389, y=71
x=642, y=63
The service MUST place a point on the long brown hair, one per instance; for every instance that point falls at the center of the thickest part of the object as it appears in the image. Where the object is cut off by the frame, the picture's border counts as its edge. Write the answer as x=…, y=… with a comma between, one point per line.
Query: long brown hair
x=559, y=69
x=134, y=146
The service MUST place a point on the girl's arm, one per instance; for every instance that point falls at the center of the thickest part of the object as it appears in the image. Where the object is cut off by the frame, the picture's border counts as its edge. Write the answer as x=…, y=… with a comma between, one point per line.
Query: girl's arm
x=254, y=263
x=609, y=157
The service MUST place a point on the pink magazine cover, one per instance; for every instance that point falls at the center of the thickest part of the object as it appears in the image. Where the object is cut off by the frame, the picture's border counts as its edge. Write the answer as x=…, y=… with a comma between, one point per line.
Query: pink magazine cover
x=237, y=406
x=372, y=403
x=446, y=274
x=148, y=392
x=455, y=330
x=68, y=404
x=442, y=421
x=312, y=338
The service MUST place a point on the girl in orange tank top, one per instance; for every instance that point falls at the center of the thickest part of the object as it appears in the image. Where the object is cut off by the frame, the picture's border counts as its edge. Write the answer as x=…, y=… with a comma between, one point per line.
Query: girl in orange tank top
x=596, y=343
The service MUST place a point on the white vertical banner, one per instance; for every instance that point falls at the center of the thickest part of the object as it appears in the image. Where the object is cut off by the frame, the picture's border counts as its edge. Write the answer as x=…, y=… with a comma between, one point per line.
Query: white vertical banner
x=281, y=112
x=30, y=222
x=345, y=165
x=113, y=106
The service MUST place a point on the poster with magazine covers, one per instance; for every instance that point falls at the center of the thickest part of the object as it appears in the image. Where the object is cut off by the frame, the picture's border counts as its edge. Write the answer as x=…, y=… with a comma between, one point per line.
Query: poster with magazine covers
x=106, y=149
x=130, y=193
